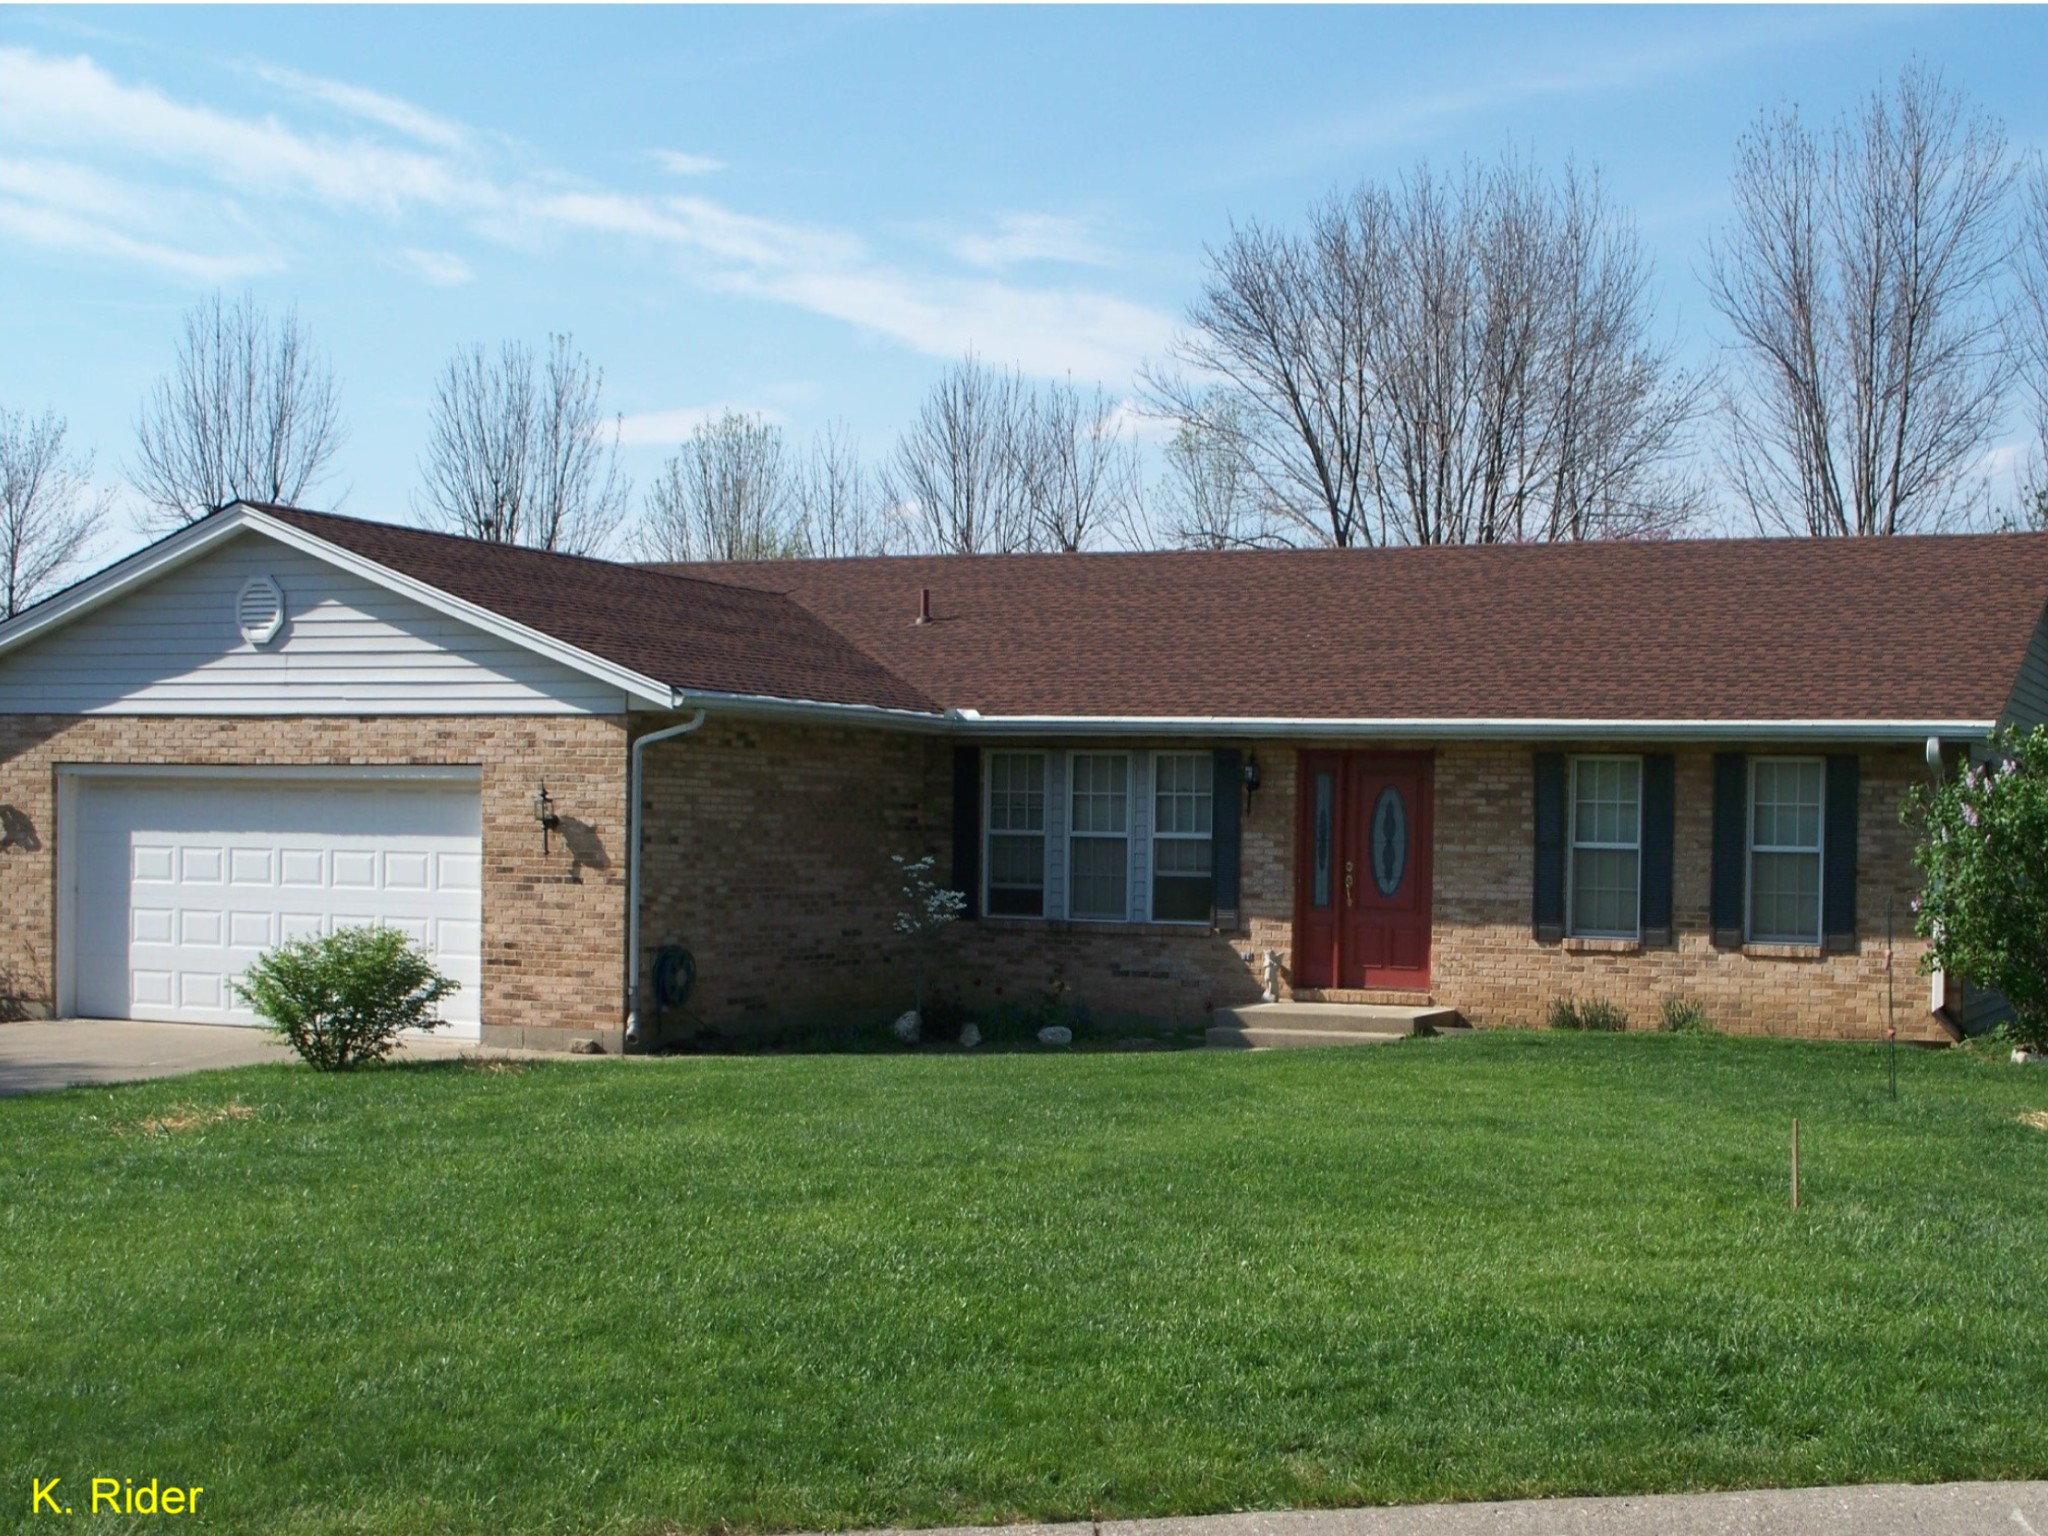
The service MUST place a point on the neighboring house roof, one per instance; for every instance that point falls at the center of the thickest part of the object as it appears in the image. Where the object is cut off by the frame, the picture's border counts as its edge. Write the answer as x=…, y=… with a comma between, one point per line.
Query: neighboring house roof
x=1628, y=638
x=1900, y=629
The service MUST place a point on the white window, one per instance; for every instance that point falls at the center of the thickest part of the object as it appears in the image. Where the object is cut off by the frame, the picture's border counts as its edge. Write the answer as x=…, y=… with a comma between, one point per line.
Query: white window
x=1016, y=834
x=1099, y=836
x=1606, y=847
x=1183, y=814
x=1784, y=849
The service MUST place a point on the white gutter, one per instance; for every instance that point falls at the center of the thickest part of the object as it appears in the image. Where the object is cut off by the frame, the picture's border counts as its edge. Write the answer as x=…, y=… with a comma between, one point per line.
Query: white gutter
x=633, y=779
x=969, y=722
x=760, y=706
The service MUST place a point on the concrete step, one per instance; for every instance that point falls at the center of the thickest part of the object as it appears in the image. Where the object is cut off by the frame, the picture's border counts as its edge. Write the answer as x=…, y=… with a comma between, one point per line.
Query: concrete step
x=1338, y=1018
x=1282, y=1026
x=1222, y=1037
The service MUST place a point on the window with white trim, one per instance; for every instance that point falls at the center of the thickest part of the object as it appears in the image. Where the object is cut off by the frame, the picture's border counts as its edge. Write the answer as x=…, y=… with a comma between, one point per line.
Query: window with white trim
x=1606, y=886
x=1183, y=820
x=1785, y=795
x=1099, y=836
x=1016, y=835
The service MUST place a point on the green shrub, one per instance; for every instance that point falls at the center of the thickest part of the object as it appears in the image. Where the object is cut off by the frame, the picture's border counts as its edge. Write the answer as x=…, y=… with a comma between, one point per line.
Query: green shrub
x=1594, y=1014
x=343, y=1000
x=1681, y=1016
x=1985, y=908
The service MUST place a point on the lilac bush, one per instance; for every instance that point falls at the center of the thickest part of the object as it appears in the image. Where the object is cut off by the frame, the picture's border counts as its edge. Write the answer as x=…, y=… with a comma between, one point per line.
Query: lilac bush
x=1984, y=852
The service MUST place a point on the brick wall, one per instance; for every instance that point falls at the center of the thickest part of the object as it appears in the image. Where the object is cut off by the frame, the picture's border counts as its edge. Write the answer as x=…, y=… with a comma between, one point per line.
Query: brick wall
x=553, y=939
x=1486, y=964
x=768, y=856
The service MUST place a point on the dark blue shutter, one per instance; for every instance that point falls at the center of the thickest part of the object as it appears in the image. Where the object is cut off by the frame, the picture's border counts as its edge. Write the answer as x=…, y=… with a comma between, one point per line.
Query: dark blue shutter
x=967, y=826
x=1226, y=836
x=1838, y=858
x=1547, y=909
x=1659, y=819
x=1731, y=848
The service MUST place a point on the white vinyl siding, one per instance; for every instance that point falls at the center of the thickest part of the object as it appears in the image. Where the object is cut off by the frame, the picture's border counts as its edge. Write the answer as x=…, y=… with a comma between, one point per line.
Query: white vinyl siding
x=1099, y=836
x=347, y=647
x=1015, y=840
x=1605, y=888
x=1785, y=829
x=1183, y=818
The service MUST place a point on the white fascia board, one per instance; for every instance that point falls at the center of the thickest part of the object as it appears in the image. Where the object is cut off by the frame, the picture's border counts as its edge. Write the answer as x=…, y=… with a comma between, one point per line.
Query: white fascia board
x=145, y=565
x=972, y=723
x=167, y=554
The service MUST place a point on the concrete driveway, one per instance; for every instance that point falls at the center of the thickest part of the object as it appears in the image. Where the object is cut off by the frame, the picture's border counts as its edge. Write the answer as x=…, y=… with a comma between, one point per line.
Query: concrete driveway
x=40, y=1055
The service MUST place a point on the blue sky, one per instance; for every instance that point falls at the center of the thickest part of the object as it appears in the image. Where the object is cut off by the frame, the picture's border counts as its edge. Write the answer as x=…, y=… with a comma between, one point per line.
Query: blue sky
x=809, y=212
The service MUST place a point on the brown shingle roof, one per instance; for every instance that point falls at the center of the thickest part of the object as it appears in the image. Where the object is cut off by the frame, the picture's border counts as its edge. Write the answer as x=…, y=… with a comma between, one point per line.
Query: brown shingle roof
x=688, y=633
x=1920, y=629
x=1908, y=629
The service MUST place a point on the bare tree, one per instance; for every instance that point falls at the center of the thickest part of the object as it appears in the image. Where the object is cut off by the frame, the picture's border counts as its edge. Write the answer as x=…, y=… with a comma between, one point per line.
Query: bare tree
x=1859, y=278
x=1080, y=469
x=249, y=411
x=1208, y=497
x=838, y=500
x=49, y=511
x=963, y=464
x=1441, y=360
x=2030, y=331
x=726, y=494
x=519, y=456
x=1275, y=363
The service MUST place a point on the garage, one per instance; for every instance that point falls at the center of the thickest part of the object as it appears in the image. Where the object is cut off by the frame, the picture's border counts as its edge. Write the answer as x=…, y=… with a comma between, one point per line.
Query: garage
x=173, y=881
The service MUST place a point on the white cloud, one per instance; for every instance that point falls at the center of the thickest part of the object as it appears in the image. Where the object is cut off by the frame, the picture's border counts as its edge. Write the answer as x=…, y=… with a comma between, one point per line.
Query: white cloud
x=76, y=105
x=126, y=134
x=55, y=229
x=444, y=269
x=1051, y=332
x=665, y=429
x=372, y=106
x=676, y=163
x=1022, y=237
x=1133, y=421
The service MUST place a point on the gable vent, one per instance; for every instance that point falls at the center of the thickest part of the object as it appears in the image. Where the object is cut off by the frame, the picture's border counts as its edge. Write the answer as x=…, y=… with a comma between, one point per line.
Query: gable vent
x=259, y=610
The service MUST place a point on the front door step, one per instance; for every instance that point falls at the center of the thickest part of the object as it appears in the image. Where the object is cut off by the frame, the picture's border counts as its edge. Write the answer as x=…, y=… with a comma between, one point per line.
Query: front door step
x=1278, y=1026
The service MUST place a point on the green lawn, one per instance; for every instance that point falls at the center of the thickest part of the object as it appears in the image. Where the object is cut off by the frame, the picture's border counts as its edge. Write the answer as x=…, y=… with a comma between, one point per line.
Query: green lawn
x=845, y=1291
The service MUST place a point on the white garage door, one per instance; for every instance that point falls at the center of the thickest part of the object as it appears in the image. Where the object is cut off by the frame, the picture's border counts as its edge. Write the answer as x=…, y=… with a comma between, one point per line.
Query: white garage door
x=182, y=881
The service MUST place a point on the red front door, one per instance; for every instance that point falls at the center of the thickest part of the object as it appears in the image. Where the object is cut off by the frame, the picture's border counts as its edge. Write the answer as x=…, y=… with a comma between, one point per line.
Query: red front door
x=1362, y=871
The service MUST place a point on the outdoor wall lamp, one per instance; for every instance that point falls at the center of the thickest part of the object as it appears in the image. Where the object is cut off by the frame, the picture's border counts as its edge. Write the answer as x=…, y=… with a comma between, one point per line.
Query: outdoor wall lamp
x=1251, y=781
x=544, y=813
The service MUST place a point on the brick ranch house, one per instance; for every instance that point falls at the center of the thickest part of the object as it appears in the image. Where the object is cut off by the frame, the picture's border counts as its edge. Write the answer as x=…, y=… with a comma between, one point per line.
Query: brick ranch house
x=1488, y=777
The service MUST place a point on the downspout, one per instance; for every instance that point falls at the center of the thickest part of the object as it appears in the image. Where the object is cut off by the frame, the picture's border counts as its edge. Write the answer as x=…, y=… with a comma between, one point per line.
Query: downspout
x=633, y=778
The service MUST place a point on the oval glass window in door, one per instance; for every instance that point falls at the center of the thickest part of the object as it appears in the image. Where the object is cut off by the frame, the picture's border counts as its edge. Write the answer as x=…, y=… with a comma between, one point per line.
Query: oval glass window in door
x=1389, y=841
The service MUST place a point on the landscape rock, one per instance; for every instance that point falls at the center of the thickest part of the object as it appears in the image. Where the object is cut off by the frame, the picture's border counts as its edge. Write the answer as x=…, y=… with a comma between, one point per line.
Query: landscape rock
x=1055, y=1034
x=970, y=1035
x=587, y=1048
x=909, y=1027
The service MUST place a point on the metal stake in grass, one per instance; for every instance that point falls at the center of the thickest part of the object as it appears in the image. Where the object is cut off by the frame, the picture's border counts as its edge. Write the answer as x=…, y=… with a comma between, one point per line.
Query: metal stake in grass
x=1795, y=1162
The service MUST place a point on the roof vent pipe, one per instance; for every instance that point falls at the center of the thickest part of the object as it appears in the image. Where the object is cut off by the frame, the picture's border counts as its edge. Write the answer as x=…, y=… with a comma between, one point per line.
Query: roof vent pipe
x=633, y=780
x=924, y=605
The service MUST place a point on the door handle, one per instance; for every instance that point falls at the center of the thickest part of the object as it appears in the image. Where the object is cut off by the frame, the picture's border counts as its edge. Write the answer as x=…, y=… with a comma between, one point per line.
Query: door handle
x=1347, y=883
